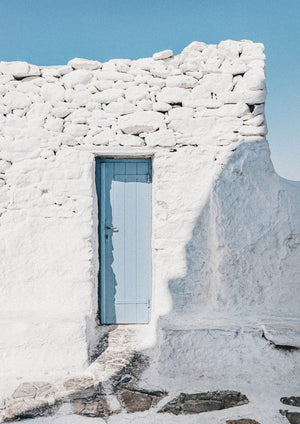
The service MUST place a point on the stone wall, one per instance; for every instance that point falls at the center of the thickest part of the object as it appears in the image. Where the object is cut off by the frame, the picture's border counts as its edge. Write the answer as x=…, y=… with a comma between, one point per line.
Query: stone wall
x=224, y=230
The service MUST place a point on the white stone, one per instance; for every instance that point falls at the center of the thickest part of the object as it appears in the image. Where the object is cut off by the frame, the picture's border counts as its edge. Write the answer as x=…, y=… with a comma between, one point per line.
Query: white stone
x=213, y=83
x=62, y=110
x=4, y=166
x=53, y=93
x=251, y=97
x=248, y=130
x=129, y=140
x=156, y=82
x=182, y=81
x=54, y=124
x=162, y=138
x=81, y=98
x=79, y=76
x=16, y=100
x=181, y=113
x=113, y=76
x=79, y=63
x=237, y=110
x=145, y=104
x=165, y=54
x=161, y=107
x=37, y=113
x=134, y=94
x=103, y=84
x=108, y=96
x=76, y=130
x=172, y=95
x=255, y=79
x=103, y=138
x=139, y=122
x=256, y=120
x=19, y=69
x=120, y=108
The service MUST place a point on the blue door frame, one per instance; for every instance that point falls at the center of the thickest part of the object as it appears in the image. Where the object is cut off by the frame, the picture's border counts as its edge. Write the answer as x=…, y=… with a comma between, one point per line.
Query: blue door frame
x=124, y=207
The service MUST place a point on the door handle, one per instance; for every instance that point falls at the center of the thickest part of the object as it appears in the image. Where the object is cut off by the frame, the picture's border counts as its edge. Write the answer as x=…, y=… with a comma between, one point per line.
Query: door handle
x=111, y=228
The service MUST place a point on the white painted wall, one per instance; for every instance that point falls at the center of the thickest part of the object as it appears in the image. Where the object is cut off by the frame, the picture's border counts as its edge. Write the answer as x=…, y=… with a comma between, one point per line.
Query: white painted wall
x=224, y=231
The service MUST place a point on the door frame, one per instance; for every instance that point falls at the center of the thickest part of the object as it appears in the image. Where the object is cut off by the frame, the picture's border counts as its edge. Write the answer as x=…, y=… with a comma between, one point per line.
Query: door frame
x=103, y=157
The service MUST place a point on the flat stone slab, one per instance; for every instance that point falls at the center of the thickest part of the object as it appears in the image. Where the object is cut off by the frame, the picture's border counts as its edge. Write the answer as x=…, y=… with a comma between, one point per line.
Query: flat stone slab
x=293, y=417
x=283, y=334
x=242, y=421
x=196, y=403
x=292, y=400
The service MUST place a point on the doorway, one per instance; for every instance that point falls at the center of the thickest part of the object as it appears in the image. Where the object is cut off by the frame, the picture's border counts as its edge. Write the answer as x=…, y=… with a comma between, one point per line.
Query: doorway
x=124, y=207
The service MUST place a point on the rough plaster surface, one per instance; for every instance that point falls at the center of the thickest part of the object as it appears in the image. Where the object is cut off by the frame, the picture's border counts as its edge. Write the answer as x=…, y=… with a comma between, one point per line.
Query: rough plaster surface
x=225, y=228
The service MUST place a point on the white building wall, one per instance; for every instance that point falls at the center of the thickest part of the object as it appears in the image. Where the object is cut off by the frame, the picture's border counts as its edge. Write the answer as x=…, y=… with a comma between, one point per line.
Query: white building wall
x=224, y=228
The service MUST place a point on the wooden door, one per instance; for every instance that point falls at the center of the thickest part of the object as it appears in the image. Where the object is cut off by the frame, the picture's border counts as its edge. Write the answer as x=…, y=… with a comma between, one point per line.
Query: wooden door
x=124, y=199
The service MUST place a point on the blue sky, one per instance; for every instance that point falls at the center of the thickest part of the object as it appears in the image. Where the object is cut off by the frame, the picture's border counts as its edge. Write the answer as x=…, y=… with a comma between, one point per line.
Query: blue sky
x=48, y=32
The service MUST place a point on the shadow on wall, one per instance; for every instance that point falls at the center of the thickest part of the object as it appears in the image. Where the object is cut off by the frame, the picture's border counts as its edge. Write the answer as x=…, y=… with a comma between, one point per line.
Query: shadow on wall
x=241, y=272
x=242, y=257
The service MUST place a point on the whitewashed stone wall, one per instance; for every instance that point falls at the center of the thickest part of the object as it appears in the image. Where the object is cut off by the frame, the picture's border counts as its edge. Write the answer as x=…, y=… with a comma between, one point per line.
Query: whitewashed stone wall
x=225, y=232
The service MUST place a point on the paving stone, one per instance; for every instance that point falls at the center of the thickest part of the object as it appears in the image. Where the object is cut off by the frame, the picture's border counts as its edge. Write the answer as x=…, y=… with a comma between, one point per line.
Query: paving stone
x=135, y=402
x=25, y=390
x=94, y=408
x=293, y=417
x=292, y=400
x=242, y=421
x=196, y=403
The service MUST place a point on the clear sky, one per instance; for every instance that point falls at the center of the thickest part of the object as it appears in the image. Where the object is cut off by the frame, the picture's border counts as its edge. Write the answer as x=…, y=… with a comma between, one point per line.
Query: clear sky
x=49, y=32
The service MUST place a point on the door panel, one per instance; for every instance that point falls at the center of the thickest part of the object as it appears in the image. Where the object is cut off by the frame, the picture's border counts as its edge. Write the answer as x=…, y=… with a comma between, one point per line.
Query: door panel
x=124, y=198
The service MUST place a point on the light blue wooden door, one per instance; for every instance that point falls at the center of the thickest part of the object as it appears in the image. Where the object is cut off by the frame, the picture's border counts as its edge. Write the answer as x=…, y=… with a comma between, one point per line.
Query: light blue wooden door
x=124, y=199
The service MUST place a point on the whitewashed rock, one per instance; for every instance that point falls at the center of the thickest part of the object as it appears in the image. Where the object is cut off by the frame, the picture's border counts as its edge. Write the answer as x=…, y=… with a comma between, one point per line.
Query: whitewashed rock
x=156, y=82
x=62, y=110
x=172, y=95
x=256, y=120
x=19, y=69
x=113, y=76
x=140, y=122
x=255, y=79
x=104, y=138
x=165, y=54
x=237, y=110
x=76, y=130
x=181, y=113
x=16, y=100
x=81, y=98
x=103, y=84
x=251, y=97
x=134, y=94
x=259, y=109
x=248, y=130
x=145, y=105
x=37, y=113
x=182, y=81
x=162, y=138
x=4, y=166
x=108, y=96
x=79, y=76
x=161, y=107
x=53, y=93
x=230, y=48
x=79, y=63
x=129, y=140
x=54, y=124
x=120, y=108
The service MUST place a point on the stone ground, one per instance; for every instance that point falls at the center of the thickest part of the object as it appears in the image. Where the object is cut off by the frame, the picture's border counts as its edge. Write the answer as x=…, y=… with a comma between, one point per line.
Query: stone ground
x=111, y=394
